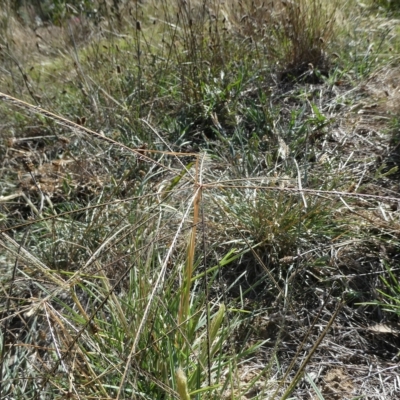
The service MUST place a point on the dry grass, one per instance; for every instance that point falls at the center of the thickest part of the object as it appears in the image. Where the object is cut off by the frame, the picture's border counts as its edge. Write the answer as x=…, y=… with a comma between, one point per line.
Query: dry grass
x=200, y=199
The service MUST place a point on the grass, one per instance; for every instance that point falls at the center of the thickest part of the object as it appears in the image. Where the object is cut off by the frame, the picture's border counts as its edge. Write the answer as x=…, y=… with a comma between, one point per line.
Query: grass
x=198, y=200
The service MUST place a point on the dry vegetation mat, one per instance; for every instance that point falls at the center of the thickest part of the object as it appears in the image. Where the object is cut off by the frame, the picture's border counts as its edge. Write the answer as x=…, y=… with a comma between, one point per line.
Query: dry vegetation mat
x=199, y=199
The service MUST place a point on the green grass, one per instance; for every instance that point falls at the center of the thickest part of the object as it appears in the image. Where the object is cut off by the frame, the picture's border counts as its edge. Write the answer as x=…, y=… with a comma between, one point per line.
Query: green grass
x=191, y=199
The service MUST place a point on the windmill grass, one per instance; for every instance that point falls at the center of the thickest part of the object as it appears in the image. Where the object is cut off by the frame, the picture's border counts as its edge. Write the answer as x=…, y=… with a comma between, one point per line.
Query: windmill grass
x=188, y=198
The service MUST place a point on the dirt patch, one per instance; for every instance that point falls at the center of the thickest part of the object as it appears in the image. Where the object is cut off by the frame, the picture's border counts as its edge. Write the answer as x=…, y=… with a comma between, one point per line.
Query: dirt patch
x=337, y=384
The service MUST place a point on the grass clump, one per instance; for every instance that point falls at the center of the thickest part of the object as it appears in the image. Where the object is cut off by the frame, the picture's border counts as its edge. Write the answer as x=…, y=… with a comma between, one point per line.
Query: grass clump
x=276, y=222
x=295, y=36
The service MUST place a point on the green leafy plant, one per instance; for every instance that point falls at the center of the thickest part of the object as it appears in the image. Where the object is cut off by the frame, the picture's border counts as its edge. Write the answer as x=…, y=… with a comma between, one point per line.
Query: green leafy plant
x=390, y=300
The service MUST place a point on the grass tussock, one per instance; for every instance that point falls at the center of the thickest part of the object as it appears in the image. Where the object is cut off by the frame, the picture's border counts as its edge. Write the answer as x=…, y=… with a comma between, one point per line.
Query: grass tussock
x=196, y=197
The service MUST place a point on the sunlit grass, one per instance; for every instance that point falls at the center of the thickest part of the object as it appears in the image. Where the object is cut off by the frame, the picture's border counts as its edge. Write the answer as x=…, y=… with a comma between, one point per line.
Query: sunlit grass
x=179, y=186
